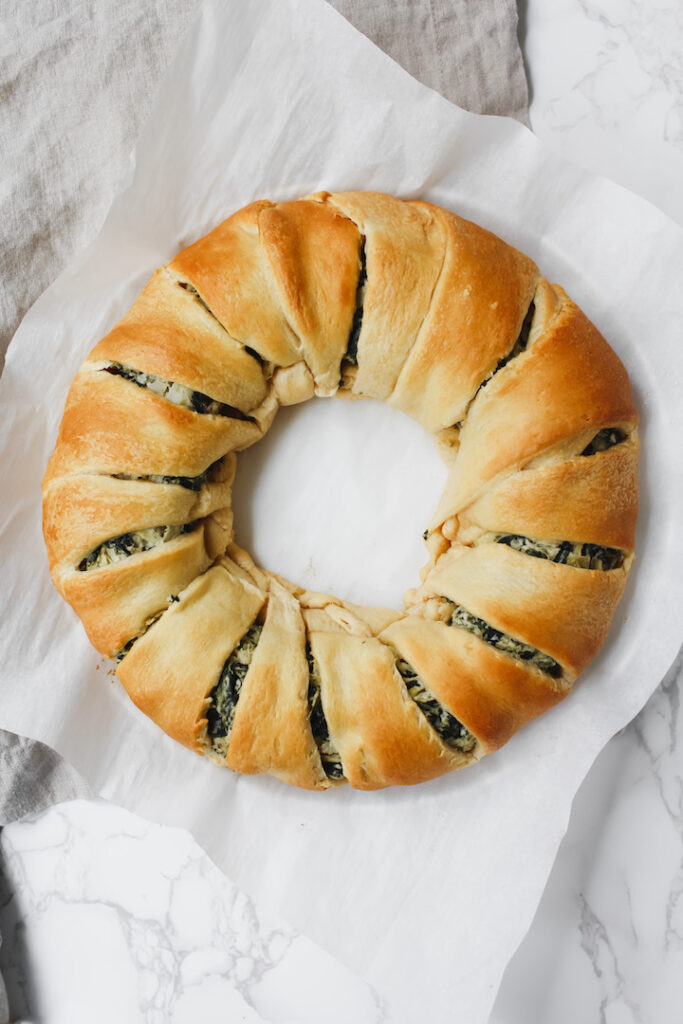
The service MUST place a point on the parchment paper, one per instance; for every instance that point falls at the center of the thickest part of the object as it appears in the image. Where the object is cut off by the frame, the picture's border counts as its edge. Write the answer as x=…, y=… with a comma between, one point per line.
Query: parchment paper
x=425, y=891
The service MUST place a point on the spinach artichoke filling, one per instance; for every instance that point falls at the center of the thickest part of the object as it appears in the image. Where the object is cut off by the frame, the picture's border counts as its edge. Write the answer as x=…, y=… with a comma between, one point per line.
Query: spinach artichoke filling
x=195, y=295
x=178, y=394
x=450, y=731
x=190, y=483
x=604, y=439
x=120, y=655
x=351, y=355
x=463, y=619
x=563, y=552
x=329, y=755
x=186, y=286
x=254, y=354
x=518, y=347
x=127, y=544
x=220, y=714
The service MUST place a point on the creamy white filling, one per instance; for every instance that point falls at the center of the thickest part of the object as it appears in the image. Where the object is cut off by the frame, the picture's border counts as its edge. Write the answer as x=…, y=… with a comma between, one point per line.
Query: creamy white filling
x=171, y=391
x=220, y=715
x=127, y=544
x=463, y=619
x=449, y=729
x=562, y=552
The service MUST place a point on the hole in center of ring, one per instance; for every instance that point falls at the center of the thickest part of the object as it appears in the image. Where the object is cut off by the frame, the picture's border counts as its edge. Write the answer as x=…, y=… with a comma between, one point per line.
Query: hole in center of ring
x=336, y=498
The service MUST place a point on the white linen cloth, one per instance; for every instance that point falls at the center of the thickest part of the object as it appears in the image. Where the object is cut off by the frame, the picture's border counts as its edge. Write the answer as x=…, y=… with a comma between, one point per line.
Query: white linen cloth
x=78, y=78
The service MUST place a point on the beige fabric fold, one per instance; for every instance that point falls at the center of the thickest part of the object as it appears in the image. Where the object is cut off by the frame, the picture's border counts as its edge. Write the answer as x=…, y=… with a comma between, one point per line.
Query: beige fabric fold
x=78, y=78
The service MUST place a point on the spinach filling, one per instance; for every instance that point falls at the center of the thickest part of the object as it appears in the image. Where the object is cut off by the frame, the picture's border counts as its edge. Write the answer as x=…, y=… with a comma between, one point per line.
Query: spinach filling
x=178, y=394
x=195, y=294
x=329, y=755
x=254, y=354
x=351, y=354
x=451, y=732
x=564, y=552
x=220, y=714
x=604, y=439
x=127, y=544
x=120, y=655
x=518, y=347
x=190, y=483
x=463, y=619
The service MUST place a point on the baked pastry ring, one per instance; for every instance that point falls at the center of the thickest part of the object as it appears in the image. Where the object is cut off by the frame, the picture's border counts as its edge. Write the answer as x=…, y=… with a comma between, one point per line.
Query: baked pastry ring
x=360, y=295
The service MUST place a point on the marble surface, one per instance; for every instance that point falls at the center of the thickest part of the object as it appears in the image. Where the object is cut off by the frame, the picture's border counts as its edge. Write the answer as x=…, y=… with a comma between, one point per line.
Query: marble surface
x=156, y=933
x=130, y=921
x=606, y=945
x=606, y=89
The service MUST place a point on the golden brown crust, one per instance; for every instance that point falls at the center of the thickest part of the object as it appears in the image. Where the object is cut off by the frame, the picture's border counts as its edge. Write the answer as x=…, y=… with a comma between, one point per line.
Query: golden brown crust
x=485, y=288
x=551, y=399
x=230, y=270
x=376, y=619
x=271, y=732
x=560, y=610
x=404, y=251
x=269, y=309
x=82, y=511
x=378, y=730
x=314, y=253
x=169, y=333
x=593, y=500
x=293, y=384
x=111, y=425
x=114, y=603
x=490, y=693
x=171, y=670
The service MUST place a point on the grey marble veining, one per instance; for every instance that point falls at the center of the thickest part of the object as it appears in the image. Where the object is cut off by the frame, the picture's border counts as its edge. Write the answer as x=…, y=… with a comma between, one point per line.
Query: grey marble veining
x=607, y=940
x=606, y=945
x=637, y=44
x=131, y=921
x=606, y=80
